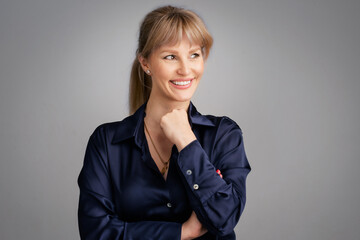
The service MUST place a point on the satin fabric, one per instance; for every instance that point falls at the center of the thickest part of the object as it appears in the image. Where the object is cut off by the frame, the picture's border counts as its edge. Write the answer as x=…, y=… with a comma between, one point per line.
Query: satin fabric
x=124, y=196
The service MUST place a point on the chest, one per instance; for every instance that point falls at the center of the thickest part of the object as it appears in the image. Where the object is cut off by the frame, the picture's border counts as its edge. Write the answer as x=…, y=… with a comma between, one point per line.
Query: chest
x=140, y=191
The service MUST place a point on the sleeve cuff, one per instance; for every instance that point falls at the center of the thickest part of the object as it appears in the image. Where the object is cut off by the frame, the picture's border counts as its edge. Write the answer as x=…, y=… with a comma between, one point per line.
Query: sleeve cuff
x=198, y=171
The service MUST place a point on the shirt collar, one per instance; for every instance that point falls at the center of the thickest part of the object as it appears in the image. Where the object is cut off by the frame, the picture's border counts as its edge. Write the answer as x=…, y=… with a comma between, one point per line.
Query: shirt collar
x=133, y=125
x=197, y=118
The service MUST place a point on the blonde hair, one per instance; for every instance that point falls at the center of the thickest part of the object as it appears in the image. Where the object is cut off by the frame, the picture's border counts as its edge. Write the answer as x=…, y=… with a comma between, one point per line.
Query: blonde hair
x=164, y=25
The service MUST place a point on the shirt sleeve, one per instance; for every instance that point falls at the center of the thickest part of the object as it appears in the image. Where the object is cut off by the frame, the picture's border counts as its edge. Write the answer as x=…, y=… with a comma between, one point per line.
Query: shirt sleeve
x=218, y=202
x=97, y=216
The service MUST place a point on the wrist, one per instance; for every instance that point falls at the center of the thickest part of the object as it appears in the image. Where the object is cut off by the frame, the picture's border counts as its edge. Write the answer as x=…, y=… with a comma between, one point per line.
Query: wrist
x=185, y=140
x=184, y=235
x=185, y=232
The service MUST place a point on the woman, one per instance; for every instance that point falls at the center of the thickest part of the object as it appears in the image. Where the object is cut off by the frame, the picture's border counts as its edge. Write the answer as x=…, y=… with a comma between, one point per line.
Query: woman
x=165, y=172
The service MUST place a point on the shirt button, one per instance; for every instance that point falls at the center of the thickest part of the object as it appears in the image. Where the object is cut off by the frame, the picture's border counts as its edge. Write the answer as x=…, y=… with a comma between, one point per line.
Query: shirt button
x=196, y=187
x=169, y=205
x=189, y=172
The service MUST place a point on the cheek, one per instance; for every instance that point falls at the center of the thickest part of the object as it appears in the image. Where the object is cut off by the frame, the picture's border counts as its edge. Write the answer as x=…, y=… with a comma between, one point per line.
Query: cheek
x=163, y=71
x=199, y=69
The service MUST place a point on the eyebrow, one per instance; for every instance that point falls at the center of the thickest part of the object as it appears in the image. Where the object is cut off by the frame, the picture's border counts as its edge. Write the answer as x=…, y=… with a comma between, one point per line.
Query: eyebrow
x=175, y=51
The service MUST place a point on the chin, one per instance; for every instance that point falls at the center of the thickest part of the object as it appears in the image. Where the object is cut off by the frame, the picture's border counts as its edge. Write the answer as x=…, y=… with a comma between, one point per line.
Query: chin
x=183, y=97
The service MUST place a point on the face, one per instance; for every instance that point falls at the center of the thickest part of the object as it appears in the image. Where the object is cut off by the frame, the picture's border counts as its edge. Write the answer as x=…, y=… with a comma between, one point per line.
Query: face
x=175, y=70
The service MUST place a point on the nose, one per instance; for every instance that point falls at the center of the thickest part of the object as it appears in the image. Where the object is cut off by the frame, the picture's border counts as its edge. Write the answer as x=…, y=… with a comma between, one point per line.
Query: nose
x=184, y=67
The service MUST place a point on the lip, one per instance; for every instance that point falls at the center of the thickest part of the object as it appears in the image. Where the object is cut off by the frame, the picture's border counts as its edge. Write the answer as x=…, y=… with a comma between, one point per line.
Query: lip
x=181, y=80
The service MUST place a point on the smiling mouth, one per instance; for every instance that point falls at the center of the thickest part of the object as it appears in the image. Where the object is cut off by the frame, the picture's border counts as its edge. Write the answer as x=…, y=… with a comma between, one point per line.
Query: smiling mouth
x=180, y=83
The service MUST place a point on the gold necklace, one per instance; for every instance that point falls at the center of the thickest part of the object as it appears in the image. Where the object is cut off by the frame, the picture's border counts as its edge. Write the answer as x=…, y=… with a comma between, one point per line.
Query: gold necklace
x=166, y=163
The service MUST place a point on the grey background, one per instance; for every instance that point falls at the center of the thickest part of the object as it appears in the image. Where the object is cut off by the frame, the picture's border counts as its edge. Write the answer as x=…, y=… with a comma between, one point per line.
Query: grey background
x=286, y=71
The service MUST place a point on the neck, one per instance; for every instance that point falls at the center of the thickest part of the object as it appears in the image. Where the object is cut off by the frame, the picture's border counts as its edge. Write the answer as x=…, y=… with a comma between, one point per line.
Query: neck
x=155, y=109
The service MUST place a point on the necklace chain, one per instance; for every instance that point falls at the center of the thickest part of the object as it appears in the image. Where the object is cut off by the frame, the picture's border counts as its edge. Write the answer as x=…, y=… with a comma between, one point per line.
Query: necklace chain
x=166, y=163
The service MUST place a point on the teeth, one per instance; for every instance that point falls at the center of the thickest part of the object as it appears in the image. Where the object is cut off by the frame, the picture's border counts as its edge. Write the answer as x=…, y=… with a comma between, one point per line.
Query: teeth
x=182, y=83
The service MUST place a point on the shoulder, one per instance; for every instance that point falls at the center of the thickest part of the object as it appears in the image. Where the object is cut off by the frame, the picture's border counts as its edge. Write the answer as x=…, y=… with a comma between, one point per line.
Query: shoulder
x=219, y=122
x=111, y=131
x=222, y=123
x=222, y=132
x=107, y=128
x=223, y=138
x=226, y=131
x=115, y=132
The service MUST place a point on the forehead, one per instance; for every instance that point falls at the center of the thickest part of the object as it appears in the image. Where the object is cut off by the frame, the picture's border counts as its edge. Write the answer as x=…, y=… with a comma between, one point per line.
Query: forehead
x=183, y=43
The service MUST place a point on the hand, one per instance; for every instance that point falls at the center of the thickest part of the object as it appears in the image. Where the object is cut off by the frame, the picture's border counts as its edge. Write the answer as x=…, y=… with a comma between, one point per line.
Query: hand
x=176, y=127
x=192, y=228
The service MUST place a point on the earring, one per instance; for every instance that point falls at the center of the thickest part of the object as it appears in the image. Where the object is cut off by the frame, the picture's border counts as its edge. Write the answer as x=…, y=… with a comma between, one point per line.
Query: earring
x=148, y=71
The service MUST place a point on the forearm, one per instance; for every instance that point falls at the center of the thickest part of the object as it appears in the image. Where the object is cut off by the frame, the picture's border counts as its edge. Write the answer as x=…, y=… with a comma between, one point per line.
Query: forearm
x=98, y=220
x=218, y=202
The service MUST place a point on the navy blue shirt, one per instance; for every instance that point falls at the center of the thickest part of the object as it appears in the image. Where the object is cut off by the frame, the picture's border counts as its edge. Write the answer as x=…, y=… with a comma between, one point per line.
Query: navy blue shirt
x=123, y=195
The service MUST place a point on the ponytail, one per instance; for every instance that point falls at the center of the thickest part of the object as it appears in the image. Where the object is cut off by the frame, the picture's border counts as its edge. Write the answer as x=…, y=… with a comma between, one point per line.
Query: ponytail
x=140, y=87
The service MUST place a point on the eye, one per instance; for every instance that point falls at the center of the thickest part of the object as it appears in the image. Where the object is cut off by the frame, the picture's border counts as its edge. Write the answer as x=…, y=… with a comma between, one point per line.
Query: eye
x=169, y=57
x=195, y=55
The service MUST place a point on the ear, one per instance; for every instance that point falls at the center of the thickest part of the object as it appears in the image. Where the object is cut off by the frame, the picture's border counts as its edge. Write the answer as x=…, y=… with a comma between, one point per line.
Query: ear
x=143, y=62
